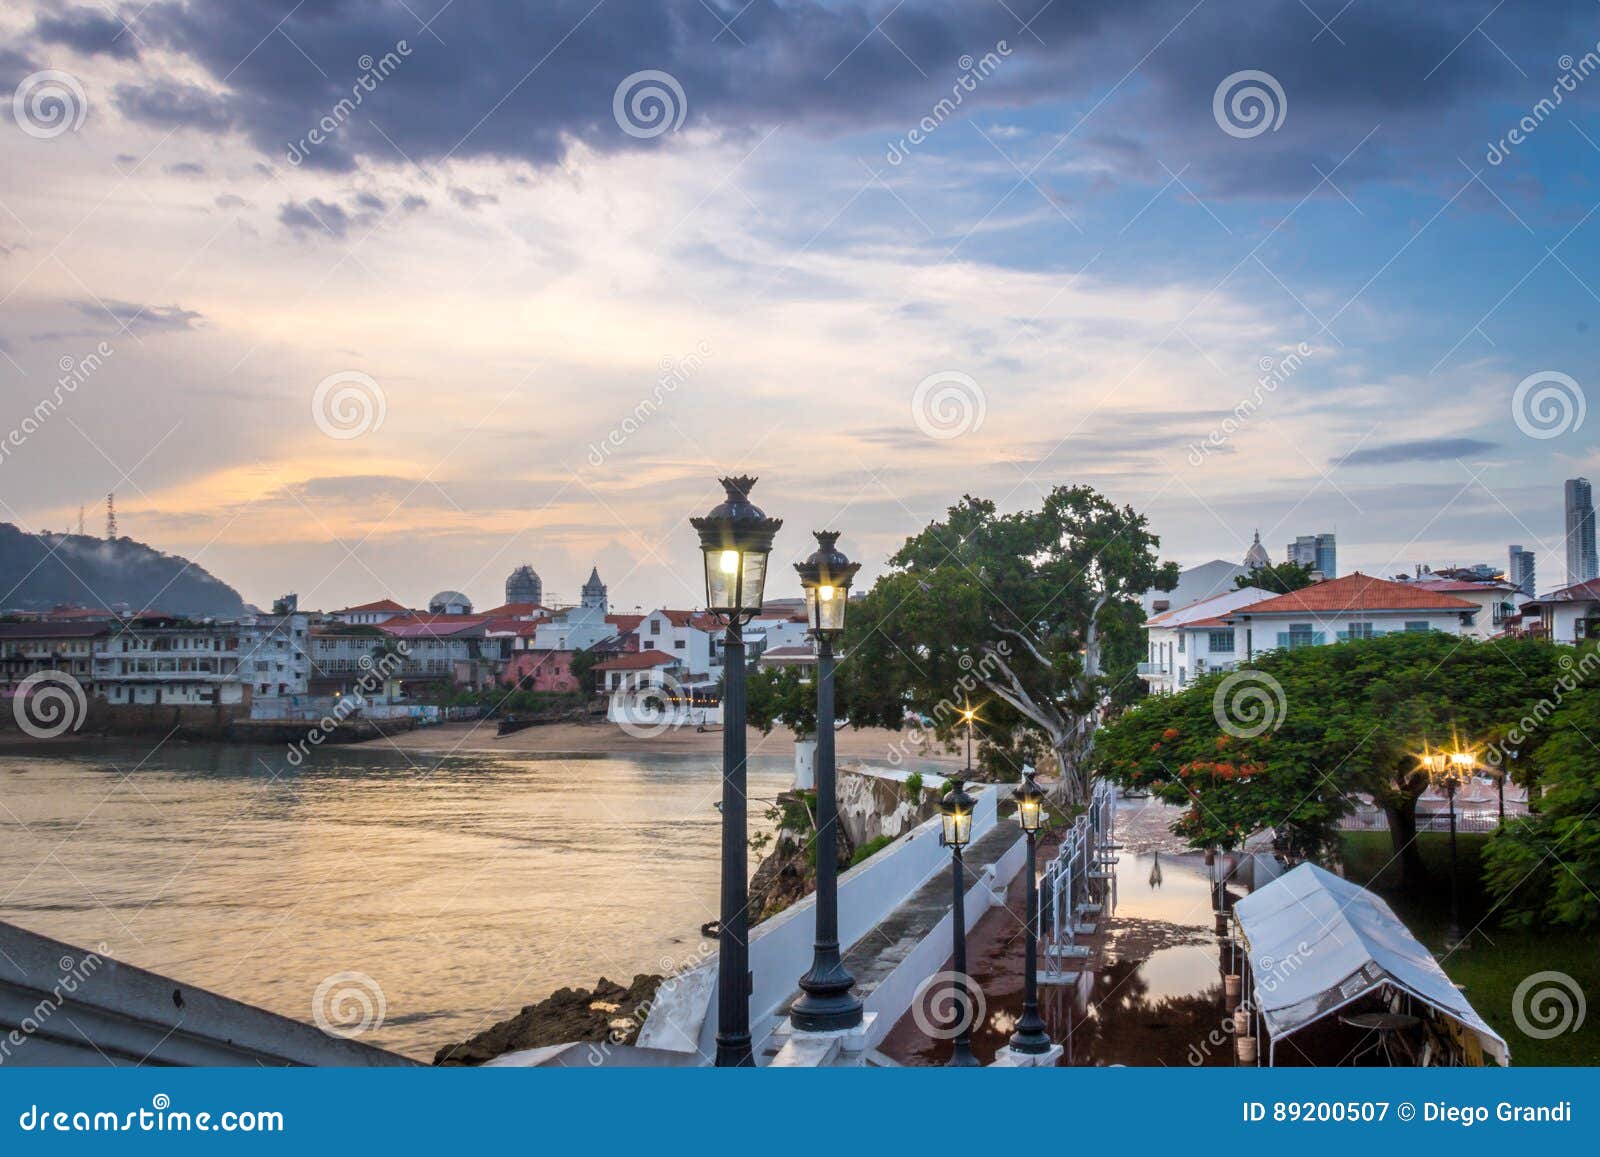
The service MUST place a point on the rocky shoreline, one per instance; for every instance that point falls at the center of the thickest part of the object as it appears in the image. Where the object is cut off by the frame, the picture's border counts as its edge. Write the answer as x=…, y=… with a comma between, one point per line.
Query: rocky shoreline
x=609, y=1013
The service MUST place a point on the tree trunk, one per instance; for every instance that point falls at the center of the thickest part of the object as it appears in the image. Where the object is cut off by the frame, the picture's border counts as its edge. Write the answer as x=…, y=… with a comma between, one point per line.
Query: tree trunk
x=1403, y=839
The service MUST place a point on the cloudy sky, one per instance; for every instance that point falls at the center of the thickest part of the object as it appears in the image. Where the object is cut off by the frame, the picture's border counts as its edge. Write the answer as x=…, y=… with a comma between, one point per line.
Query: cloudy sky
x=373, y=299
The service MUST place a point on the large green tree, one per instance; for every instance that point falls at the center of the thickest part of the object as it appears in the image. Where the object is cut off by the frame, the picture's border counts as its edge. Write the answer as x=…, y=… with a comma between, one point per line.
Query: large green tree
x=1289, y=741
x=1031, y=617
x=1546, y=869
x=1279, y=578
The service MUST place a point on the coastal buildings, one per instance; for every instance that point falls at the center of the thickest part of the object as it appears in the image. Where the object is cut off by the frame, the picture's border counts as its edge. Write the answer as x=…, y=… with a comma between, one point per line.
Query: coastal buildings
x=177, y=662
x=1582, y=564
x=1520, y=571
x=1499, y=602
x=370, y=614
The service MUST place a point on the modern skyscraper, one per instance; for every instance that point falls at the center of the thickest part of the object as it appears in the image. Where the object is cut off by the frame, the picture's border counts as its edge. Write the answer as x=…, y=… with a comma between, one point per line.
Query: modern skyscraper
x=1318, y=551
x=1520, y=572
x=1582, y=564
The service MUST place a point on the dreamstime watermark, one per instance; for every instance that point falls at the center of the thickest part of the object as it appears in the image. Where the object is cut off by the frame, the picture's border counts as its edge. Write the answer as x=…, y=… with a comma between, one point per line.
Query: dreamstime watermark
x=1548, y=404
x=947, y=1005
x=948, y=404
x=1575, y=673
x=160, y=1117
x=951, y=709
x=74, y=972
x=674, y=373
x=649, y=103
x=631, y=1021
x=1269, y=973
x=1248, y=103
x=348, y=404
x=348, y=1005
x=1249, y=703
x=973, y=72
x=1547, y=1004
x=1573, y=73
x=651, y=709
x=48, y=704
x=49, y=103
x=373, y=74
x=1274, y=372
x=376, y=673
x=74, y=373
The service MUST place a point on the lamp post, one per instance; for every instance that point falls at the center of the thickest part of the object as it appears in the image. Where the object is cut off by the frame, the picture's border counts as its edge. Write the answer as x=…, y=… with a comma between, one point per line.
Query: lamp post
x=955, y=810
x=1447, y=770
x=1030, y=1035
x=969, y=715
x=826, y=1003
x=736, y=538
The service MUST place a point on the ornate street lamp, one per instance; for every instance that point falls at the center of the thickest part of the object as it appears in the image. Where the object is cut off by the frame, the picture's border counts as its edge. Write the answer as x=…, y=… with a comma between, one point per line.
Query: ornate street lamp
x=1448, y=770
x=736, y=538
x=1030, y=1036
x=826, y=1003
x=955, y=810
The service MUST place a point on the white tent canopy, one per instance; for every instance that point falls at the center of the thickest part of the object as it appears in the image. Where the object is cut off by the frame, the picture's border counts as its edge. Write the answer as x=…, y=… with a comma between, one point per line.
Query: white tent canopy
x=1316, y=943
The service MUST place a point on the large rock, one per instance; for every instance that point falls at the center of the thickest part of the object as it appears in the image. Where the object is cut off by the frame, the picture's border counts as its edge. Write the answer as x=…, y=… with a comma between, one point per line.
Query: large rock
x=609, y=1012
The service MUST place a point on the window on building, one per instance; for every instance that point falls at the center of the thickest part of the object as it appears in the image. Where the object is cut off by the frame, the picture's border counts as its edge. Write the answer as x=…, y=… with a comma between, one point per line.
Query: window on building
x=1360, y=631
x=655, y=626
x=1181, y=638
x=1220, y=642
x=678, y=644
x=1302, y=635
x=1417, y=625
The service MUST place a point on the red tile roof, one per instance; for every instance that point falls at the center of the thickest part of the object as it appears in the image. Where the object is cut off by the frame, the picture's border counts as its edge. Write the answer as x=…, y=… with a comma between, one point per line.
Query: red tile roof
x=1355, y=592
x=625, y=623
x=515, y=611
x=637, y=661
x=381, y=605
x=1578, y=592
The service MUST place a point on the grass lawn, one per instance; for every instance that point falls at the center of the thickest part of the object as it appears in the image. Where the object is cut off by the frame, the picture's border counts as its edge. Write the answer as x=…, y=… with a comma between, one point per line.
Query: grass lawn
x=1498, y=959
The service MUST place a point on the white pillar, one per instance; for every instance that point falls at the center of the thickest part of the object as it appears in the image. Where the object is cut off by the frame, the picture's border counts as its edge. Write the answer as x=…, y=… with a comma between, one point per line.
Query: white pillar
x=805, y=762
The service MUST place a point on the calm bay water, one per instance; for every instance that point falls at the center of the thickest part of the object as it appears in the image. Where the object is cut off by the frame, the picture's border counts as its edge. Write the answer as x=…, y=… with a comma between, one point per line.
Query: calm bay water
x=465, y=887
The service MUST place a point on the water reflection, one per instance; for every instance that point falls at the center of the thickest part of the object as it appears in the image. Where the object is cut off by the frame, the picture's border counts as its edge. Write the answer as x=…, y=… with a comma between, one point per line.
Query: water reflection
x=467, y=887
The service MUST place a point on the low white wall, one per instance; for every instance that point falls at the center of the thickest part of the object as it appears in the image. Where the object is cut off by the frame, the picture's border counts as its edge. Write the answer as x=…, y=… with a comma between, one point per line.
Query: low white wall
x=895, y=992
x=780, y=948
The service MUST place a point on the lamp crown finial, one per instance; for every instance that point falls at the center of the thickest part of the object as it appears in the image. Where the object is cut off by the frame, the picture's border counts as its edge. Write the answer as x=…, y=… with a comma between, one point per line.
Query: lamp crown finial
x=826, y=539
x=738, y=486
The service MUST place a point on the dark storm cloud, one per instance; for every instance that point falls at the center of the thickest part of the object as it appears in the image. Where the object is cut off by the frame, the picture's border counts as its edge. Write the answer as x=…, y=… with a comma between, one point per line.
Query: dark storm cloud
x=88, y=31
x=173, y=104
x=1425, y=450
x=315, y=216
x=520, y=82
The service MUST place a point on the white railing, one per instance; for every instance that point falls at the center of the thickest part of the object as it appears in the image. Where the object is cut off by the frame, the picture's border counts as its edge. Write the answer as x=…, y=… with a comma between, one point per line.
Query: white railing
x=1081, y=881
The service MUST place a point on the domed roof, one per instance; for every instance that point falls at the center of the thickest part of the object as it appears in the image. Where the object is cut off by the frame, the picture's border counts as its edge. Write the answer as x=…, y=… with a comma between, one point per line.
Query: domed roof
x=444, y=600
x=525, y=571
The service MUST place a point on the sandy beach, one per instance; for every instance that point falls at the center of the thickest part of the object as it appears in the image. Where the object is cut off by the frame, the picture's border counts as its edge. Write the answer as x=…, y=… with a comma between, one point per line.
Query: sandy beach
x=872, y=744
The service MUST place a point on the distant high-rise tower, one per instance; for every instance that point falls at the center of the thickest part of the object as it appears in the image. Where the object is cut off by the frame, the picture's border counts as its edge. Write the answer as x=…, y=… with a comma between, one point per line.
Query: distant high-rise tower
x=1520, y=572
x=524, y=586
x=1318, y=551
x=1582, y=564
x=111, y=517
x=1257, y=558
x=594, y=591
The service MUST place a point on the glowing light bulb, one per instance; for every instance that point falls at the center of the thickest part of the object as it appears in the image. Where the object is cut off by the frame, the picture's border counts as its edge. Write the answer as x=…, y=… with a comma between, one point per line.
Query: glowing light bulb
x=729, y=562
x=825, y=594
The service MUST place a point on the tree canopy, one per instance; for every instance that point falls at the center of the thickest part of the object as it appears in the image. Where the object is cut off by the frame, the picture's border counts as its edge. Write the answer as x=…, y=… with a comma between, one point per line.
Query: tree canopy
x=1289, y=740
x=1546, y=869
x=1032, y=618
x=1279, y=578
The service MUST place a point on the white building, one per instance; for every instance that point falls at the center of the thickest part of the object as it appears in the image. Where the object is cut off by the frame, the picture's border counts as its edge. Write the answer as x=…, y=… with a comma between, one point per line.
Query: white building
x=1497, y=602
x=370, y=614
x=693, y=637
x=771, y=630
x=1339, y=610
x=1569, y=615
x=581, y=627
x=1192, y=641
x=188, y=664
